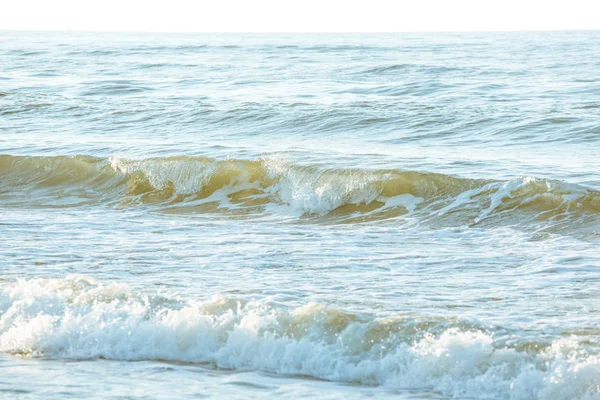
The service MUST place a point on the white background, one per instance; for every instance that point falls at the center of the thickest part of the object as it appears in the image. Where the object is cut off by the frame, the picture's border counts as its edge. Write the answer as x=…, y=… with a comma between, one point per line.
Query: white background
x=298, y=16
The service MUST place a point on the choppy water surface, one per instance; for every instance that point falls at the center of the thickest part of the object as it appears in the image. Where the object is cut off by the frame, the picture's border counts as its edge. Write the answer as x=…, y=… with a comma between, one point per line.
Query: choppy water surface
x=331, y=216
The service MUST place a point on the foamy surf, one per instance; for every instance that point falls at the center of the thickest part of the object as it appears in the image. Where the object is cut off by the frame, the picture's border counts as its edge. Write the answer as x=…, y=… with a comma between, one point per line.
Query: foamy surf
x=81, y=318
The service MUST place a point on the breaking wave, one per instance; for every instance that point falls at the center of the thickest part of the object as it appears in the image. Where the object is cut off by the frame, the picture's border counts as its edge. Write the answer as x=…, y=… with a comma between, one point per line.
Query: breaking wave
x=82, y=318
x=197, y=184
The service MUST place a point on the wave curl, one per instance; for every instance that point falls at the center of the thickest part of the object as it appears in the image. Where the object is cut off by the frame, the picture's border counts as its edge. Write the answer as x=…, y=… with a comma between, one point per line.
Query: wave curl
x=200, y=184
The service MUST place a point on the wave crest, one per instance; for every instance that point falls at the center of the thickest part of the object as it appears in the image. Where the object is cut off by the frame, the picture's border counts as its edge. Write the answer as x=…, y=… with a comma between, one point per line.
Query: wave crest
x=200, y=184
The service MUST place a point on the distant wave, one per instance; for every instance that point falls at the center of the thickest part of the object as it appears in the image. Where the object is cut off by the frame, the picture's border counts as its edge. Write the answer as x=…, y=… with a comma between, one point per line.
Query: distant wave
x=197, y=184
x=397, y=68
x=82, y=318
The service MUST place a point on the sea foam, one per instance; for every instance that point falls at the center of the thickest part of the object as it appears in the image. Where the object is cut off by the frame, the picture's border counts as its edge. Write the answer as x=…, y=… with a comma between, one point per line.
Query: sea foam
x=81, y=318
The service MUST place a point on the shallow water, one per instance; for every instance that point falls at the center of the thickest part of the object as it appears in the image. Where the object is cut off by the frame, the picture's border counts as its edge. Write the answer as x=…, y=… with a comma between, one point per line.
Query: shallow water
x=332, y=216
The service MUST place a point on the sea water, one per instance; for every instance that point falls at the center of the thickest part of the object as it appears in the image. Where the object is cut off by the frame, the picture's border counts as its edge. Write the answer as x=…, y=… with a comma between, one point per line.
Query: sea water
x=327, y=216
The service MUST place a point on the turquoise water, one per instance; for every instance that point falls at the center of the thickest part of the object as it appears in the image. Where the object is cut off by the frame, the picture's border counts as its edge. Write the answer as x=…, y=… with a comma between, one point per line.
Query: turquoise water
x=332, y=216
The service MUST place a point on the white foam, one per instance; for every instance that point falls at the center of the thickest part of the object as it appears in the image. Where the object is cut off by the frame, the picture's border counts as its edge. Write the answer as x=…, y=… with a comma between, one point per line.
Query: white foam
x=407, y=201
x=321, y=191
x=187, y=175
x=81, y=318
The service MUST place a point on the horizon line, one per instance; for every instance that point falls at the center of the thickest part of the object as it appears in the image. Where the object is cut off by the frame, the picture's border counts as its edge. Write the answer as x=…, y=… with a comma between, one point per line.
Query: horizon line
x=302, y=32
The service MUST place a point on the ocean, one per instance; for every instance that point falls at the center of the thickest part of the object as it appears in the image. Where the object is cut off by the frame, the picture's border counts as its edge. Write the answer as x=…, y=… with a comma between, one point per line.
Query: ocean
x=412, y=216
